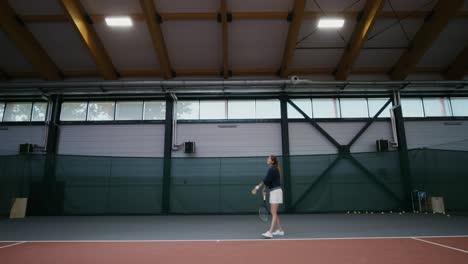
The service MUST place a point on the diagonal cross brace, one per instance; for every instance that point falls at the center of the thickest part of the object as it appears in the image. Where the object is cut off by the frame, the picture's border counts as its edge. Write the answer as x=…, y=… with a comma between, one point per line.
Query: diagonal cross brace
x=375, y=179
x=367, y=125
x=319, y=178
x=317, y=126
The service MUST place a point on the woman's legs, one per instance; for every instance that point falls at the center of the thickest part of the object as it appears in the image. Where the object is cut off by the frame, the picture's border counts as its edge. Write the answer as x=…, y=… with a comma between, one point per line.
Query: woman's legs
x=275, y=218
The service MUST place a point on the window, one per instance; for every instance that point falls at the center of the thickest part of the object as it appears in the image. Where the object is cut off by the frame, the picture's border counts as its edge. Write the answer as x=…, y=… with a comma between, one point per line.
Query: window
x=326, y=108
x=2, y=107
x=18, y=112
x=267, y=109
x=213, y=109
x=129, y=111
x=101, y=111
x=304, y=104
x=459, y=106
x=375, y=104
x=241, y=109
x=353, y=107
x=73, y=111
x=437, y=106
x=39, y=112
x=154, y=110
x=189, y=110
x=412, y=107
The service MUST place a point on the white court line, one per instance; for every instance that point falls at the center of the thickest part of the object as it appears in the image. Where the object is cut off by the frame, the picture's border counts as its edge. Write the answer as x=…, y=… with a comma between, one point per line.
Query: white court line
x=232, y=240
x=12, y=245
x=440, y=245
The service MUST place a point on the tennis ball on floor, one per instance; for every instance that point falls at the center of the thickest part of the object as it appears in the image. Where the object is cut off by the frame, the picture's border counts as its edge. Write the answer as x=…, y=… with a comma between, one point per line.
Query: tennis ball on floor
x=448, y=215
x=391, y=212
x=347, y=212
x=399, y=213
x=371, y=212
x=382, y=212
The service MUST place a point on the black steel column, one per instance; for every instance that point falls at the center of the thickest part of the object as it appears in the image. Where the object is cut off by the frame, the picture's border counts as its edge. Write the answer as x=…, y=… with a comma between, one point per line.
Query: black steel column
x=403, y=156
x=166, y=196
x=285, y=153
x=47, y=198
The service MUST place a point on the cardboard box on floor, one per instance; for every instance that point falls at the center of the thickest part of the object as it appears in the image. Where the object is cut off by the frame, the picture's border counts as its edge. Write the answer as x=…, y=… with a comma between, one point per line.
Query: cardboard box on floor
x=18, y=210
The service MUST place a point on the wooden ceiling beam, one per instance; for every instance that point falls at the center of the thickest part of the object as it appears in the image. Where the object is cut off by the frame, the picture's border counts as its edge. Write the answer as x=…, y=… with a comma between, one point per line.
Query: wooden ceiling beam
x=151, y=16
x=458, y=68
x=308, y=15
x=78, y=17
x=224, y=26
x=293, y=32
x=214, y=72
x=27, y=44
x=358, y=38
x=426, y=35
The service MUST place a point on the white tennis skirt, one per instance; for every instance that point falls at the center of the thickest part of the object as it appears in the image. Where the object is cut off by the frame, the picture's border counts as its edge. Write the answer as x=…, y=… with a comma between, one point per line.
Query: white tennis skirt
x=276, y=196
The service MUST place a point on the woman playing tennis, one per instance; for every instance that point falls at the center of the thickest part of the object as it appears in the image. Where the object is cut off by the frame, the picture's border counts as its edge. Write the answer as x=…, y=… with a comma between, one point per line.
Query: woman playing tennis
x=273, y=183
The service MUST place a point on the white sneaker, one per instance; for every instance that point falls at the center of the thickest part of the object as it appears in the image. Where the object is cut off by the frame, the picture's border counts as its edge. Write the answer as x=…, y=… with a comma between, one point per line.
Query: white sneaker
x=267, y=234
x=278, y=233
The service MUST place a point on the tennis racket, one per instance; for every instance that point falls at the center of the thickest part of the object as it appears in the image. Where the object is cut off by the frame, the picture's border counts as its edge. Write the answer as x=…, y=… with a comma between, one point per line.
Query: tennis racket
x=263, y=212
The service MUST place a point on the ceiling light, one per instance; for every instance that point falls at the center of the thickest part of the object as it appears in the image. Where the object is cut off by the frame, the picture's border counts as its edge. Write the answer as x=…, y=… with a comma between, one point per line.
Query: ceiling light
x=331, y=23
x=119, y=21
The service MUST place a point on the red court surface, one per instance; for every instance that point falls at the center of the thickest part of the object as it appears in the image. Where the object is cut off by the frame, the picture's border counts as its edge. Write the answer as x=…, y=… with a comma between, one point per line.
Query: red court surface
x=451, y=250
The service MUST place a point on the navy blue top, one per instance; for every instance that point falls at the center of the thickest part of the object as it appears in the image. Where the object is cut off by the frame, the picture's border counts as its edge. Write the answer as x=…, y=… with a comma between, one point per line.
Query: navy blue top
x=272, y=179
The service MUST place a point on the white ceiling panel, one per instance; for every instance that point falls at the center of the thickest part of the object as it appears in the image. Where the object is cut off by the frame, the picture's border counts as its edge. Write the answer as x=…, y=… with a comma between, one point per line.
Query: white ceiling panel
x=447, y=46
x=389, y=33
x=412, y=5
x=36, y=7
x=129, y=48
x=255, y=43
x=63, y=44
x=260, y=5
x=377, y=58
x=113, y=7
x=317, y=58
x=182, y=6
x=193, y=44
x=311, y=36
x=11, y=58
x=334, y=6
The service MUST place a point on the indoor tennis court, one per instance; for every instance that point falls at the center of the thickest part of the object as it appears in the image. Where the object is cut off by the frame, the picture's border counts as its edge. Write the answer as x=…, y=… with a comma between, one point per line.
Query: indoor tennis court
x=227, y=131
